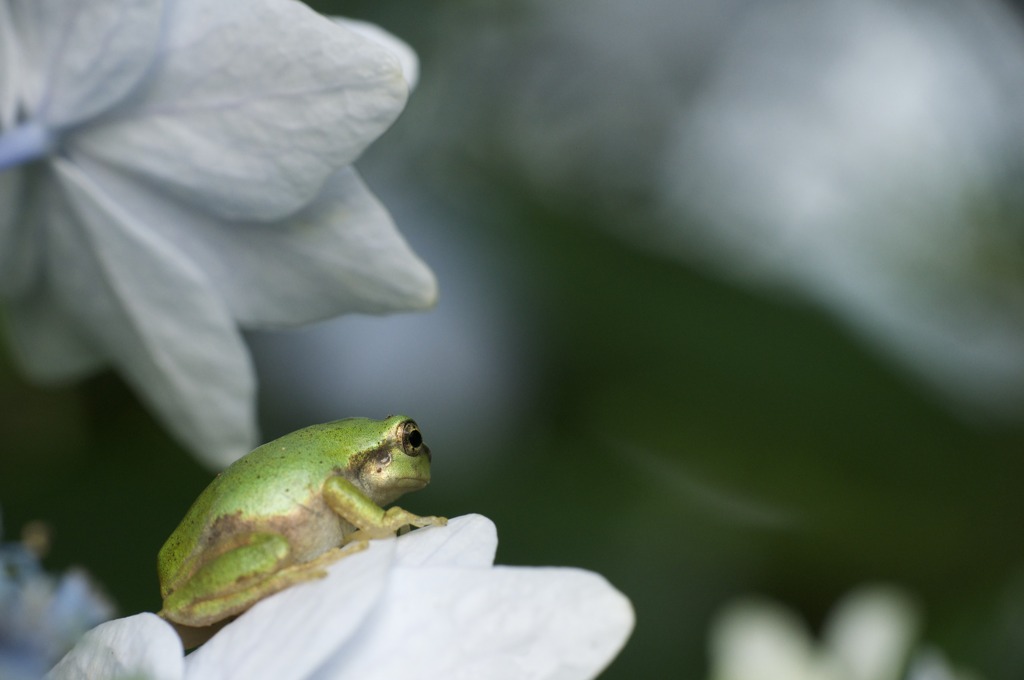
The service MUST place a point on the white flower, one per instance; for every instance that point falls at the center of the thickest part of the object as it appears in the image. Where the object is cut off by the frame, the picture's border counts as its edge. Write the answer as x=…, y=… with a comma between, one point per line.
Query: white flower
x=575, y=97
x=867, y=156
x=864, y=155
x=868, y=636
x=426, y=605
x=173, y=171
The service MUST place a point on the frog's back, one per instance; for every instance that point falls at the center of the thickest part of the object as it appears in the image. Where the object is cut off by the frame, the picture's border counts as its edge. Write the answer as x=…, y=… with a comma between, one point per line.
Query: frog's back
x=270, y=480
x=282, y=477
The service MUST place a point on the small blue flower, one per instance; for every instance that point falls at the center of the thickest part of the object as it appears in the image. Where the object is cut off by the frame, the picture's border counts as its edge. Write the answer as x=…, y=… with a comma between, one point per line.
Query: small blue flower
x=41, y=616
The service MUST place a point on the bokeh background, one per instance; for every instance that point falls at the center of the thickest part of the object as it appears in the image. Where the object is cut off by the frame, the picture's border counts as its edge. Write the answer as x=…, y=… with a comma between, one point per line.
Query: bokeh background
x=732, y=301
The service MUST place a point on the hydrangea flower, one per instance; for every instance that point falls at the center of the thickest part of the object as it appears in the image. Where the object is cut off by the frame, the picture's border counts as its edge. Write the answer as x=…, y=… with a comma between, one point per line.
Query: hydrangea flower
x=870, y=635
x=426, y=605
x=171, y=172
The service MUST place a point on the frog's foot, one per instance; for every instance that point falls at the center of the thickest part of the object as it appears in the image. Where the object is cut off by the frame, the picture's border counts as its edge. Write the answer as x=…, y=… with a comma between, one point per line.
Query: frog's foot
x=242, y=577
x=370, y=519
x=397, y=521
x=351, y=547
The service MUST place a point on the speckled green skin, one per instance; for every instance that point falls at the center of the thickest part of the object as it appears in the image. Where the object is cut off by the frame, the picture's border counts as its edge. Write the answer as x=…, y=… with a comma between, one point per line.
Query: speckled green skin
x=280, y=509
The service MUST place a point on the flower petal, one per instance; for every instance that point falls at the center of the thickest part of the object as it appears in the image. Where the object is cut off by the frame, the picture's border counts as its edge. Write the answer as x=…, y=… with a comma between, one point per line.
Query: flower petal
x=341, y=254
x=245, y=131
x=871, y=632
x=467, y=541
x=17, y=233
x=291, y=633
x=406, y=55
x=155, y=316
x=140, y=646
x=9, y=61
x=82, y=57
x=756, y=640
x=48, y=344
x=506, y=622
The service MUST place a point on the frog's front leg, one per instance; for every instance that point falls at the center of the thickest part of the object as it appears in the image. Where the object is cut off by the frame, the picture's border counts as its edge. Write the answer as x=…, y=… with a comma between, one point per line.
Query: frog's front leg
x=371, y=520
x=239, y=578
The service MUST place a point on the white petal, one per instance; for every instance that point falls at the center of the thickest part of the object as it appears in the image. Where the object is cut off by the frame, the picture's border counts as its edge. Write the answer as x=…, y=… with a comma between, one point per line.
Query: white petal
x=760, y=641
x=82, y=57
x=399, y=48
x=252, y=107
x=341, y=254
x=140, y=646
x=9, y=71
x=291, y=633
x=506, y=622
x=155, y=315
x=871, y=632
x=467, y=541
x=49, y=345
x=18, y=252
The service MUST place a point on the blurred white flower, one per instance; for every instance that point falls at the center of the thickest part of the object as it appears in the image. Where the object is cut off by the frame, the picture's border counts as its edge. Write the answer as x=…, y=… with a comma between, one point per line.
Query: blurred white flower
x=870, y=635
x=426, y=605
x=574, y=98
x=170, y=172
x=869, y=156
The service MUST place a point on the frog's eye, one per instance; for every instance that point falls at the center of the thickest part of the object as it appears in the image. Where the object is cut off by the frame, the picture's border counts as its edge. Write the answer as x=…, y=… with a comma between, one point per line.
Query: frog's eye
x=412, y=440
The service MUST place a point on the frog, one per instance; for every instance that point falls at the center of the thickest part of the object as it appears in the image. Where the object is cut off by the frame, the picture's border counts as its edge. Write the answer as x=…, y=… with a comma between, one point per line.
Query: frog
x=279, y=515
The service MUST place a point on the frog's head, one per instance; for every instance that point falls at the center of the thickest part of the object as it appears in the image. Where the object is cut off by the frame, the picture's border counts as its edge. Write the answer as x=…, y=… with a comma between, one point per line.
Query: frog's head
x=400, y=462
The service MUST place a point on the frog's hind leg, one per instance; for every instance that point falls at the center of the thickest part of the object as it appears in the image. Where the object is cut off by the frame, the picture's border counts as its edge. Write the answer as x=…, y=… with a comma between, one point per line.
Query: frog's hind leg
x=297, y=573
x=241, y=577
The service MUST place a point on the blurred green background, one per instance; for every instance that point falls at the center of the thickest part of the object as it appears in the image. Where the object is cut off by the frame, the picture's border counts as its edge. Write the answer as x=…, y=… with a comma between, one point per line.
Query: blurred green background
x=690, y=439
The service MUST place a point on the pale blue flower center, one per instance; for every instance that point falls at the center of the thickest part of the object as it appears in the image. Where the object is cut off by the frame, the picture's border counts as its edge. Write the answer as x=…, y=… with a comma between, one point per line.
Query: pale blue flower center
x=24, y=143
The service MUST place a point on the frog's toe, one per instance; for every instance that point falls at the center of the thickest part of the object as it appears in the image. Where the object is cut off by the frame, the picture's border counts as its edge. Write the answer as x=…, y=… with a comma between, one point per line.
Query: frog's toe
x=430, y=521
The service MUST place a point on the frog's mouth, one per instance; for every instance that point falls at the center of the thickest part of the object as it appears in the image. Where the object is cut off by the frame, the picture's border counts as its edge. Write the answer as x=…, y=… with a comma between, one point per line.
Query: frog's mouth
x=410, y=483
